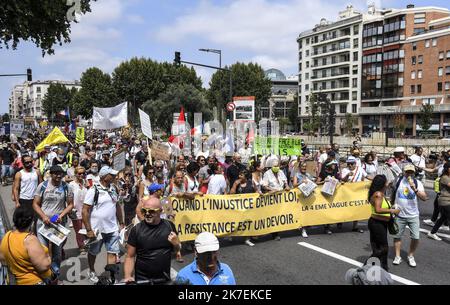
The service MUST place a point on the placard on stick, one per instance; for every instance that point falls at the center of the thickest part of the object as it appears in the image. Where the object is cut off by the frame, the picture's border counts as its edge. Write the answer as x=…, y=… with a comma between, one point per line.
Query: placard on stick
x=160, y=151
x=119, y=160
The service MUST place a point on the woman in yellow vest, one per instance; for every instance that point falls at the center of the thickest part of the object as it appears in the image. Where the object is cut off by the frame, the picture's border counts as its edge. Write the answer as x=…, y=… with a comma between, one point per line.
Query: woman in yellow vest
x=378, y=222
x=22, y=252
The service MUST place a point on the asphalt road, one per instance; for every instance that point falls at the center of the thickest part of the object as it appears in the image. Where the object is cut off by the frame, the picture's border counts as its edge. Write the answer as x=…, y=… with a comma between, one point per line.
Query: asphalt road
x=318, y=260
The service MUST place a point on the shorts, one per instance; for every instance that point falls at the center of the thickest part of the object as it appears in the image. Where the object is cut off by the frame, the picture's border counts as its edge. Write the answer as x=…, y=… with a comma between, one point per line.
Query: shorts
x=412, y=223
x=111, y=241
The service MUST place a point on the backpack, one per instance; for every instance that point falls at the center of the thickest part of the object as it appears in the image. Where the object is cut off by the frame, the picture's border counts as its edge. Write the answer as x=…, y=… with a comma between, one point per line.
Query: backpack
x=97, y=194
x=397, y=185
x=63, y=184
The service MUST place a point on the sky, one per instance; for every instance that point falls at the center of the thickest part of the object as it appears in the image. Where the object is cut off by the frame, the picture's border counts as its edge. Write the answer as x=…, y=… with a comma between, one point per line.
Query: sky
x=261, y=31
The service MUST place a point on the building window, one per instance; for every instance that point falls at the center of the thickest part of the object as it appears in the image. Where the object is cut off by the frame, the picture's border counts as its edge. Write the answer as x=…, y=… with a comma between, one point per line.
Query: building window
x=306, y=87
x=420, y=59
x=307, y=64
x=441, y=55
x=419, y=88
x=342, y=108
x=419, y=18
x=447, y=70
x=440, y=71
x=413, y=74
x=355, y=43
x=356, y=29
x=447, y=86
x=448, y=54
x=307, y=53
x=413, y=89
x=354, y=108
x=427, y=43
x=355, y=56
x=354, y=95
x=434, y=42
x=306, y=76
x=414, y=46
x=354, y=82
x=38, y=89
x=307, y=41
x=439, y=87
x=418, y=31
x=419, y=74
x=413, y=60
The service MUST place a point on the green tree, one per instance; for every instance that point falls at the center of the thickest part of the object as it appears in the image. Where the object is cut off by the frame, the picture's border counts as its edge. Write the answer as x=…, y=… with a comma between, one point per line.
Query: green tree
x=399, y=123
x=349, y=122
x=96, y=91
x=44, y=22
x=140, y=80
x=284, y=122
x=5, y=117
x=247, y=80
x=313, y=124
x=171, y=101
x=425, y=117
x=57, y=98
x=293, y=114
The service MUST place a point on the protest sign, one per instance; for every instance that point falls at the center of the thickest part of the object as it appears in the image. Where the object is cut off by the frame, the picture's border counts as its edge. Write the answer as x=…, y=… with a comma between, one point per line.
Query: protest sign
x=119, y=160
x=80, y=135
x=110, y=118
x=277, y=146
x=145, y=124
x=17, y=127
x=160, y=151
x=253, y=215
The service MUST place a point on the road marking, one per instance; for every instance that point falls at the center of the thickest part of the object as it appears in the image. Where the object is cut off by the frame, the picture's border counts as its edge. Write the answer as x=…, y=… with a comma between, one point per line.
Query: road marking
x=353, y=262
x=438, y=234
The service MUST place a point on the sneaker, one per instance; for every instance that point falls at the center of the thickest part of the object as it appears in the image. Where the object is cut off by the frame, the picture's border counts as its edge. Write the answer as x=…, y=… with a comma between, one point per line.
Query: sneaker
x=249, y=243
x=277, y=238
x=429, y=222
x=304, y=234
x=358, y=230
x=92, y=277
x=412, y=261
x=434, y=236
x=70, y=225
x=328, y=232
x=397, y=260
x=444, y=228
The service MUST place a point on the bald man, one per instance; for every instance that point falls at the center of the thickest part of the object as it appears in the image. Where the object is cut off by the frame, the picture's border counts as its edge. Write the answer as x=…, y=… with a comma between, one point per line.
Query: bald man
x=150, y=245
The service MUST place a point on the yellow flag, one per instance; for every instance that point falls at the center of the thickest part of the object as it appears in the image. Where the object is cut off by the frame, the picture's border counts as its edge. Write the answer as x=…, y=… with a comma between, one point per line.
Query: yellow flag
x=53, y=138
x=80, y=135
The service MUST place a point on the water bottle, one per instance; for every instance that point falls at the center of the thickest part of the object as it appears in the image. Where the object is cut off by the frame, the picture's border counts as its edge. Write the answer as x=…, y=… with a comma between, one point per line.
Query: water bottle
x=54, y=218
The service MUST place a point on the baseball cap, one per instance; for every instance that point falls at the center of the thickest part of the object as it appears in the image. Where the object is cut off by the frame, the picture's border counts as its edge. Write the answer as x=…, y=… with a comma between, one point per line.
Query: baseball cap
x=399, y=149
x=351, y=159
x=206, y=242
x=409, y=167
x=106, y=170
x=154, y=187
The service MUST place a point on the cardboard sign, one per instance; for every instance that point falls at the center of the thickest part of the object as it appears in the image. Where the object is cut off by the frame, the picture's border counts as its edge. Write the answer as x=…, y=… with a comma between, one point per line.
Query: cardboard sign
x=119, y=160
x=145, y=124
x=17, y=127
x=160, y=151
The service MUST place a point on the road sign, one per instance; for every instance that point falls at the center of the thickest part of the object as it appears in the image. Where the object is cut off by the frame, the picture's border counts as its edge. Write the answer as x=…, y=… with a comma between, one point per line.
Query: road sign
x=231, y=106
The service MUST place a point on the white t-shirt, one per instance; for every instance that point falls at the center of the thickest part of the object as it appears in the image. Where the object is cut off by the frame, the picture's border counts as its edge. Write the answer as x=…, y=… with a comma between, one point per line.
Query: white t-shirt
x=217, y=185
x=406, y=199
x=323, y=157
x=193, y=184
x=103, y=214
x=79, y=194
x=358, y=174
x=245, y=155
x=418, y=161
x=276, y=183
x=371, y=169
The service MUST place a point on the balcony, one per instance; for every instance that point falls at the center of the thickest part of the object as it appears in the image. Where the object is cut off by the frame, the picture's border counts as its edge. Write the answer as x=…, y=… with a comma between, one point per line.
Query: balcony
x=330, y=76
x=329, y=65
x=331, y=89
x=331, y=51
x=331, y=39
x=400, y=109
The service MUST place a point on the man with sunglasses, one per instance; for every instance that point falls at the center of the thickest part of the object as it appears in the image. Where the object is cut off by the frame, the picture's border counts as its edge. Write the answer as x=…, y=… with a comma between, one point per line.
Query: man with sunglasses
x=150, y=245
x=102, y=214
x=25, y=184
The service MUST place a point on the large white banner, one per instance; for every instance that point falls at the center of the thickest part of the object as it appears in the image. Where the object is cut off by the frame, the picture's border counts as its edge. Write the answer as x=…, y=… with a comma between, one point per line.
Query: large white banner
x=110, y=118
x=146, y=125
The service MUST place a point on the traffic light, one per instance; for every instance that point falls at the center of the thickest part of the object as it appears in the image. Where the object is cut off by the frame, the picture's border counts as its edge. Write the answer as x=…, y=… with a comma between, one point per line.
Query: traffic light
x=29, y=75
x=177, y=60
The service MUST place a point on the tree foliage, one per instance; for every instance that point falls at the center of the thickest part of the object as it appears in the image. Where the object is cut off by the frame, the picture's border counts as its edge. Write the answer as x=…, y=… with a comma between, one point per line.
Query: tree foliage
x=96, y=91
x=247, y=80
x=171, y=101
x=57, y=98
x=425, y=117
x=293, y=114
x=313, y=124
x=44, y=22
x=140, y=80
x=349, y=122
x=399, y=123
x=5, y=117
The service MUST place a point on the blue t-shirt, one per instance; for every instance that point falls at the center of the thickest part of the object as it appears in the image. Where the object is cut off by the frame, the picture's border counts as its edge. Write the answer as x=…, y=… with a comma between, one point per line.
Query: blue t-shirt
x=190, y=275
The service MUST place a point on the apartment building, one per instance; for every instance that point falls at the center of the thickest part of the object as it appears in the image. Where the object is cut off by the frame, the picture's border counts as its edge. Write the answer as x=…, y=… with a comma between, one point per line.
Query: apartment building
x=25, y=101
x=284, y=93
x=369, y=65
x=330, y=62
x=401, y=69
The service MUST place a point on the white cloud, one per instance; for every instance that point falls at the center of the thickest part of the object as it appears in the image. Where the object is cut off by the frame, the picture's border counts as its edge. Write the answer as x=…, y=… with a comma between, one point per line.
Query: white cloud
x=135, y=19
x=104, y=11
x=205, y=74
x=266, y=29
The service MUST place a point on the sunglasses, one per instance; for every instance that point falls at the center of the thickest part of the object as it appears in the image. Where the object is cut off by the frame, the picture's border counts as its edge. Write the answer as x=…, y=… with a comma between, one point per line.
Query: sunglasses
x=350, y=163
x=158, y=167
x=28, y=162
x=81, y=174
x=150, y=211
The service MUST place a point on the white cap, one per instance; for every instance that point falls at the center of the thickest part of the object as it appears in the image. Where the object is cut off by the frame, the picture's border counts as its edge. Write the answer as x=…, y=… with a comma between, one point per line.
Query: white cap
x=106, y=170
x=399, y=149
x=206, y=242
